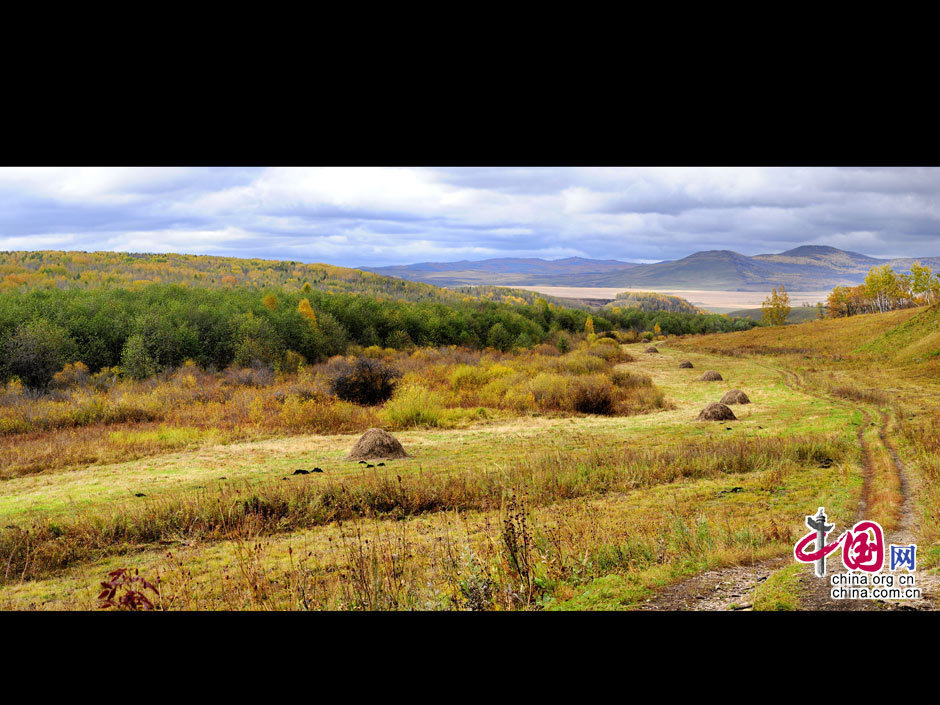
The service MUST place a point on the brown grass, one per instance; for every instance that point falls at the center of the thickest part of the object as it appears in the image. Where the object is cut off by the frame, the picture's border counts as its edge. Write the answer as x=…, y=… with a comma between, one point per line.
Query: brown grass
x=231, y=510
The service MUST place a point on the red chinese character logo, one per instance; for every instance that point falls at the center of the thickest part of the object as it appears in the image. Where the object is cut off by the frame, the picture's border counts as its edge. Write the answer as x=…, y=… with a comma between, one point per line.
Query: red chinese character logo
x=863, y=545
x=815, y=555
x=862, y=551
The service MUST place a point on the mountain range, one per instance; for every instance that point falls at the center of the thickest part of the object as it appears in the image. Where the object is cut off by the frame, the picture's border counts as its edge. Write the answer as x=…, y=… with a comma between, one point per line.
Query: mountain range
x=806, y=268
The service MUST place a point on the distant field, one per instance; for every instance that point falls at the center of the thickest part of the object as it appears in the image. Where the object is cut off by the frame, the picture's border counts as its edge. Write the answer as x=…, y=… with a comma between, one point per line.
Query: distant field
x=716, y=301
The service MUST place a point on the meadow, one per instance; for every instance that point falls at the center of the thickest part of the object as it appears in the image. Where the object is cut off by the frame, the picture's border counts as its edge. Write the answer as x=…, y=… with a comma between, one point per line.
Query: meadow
x=566, y=471
x=526, y=508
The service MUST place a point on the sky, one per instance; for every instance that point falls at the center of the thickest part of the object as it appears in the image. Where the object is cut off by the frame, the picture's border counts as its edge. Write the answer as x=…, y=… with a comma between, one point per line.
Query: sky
x=365, y=216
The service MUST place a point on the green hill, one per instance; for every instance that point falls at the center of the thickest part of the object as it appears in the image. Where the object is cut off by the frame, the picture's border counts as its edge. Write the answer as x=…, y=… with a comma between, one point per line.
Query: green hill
x=27, y=271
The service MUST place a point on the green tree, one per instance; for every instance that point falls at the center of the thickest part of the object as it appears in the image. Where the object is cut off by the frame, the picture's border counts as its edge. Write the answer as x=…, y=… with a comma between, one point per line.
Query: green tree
x=499, y=338
x=400, y=340
x=36, y=351
x=136, y=360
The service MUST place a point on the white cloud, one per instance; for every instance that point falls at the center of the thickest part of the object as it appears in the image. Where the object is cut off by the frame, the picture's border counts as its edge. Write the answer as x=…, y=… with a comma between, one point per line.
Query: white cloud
x=371, y=216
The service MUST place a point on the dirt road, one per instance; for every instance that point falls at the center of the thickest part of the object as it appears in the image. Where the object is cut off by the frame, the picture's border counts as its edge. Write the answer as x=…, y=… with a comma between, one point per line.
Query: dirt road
x=733, y=588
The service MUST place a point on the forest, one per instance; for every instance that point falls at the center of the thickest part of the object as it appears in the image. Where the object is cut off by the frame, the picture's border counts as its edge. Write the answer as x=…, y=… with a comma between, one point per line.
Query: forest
x=145, y=330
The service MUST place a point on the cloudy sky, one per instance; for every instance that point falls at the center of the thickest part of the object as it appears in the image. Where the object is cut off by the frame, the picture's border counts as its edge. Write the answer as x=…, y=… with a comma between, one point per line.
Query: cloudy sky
x=378, y=216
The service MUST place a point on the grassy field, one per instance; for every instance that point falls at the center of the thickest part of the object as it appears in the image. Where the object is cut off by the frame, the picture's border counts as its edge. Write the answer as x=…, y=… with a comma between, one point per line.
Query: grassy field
x=522, y=507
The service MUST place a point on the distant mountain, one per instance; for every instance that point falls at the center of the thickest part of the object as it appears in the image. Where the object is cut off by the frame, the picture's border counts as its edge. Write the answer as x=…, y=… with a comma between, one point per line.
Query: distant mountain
x=806, y=268
x=821, y=256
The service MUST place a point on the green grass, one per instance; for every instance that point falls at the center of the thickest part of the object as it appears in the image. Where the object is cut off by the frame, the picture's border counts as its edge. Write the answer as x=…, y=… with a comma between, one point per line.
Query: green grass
x=780, y=592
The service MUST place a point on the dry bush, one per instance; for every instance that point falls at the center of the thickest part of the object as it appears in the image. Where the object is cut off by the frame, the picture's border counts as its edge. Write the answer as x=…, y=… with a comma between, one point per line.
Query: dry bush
x=580, y=363
x=592, y=395
x=249, y=376
x=72, y=375
x=627, y=379
x=366, y=382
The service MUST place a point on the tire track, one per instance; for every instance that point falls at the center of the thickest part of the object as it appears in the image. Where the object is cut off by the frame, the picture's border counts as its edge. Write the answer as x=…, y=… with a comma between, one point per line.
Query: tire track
x=733, y=587
x=816, y=594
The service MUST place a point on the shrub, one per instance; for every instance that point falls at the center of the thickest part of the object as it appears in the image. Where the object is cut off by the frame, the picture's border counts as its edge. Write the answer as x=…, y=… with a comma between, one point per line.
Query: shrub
x=609, y=350
x=468, y=377
x=291, y=363
x=71, y=375
x=580, y=363
x=414, y=406
x=323, y=415
x=630, y=336
x=592, y=395
x=549, y=390
x=367, y=382
x=259, y=376
x=625, y=379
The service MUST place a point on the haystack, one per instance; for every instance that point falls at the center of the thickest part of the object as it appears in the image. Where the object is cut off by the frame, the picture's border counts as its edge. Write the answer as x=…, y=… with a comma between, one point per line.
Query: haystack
x=652, y=349
x=711, y=376
x=717, y=412
x=735, y=396
x=376, y=443
x=685, y=365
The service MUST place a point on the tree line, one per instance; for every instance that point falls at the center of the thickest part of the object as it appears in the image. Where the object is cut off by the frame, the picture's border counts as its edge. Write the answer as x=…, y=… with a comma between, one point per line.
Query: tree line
x=886, y=290
x=160, y=326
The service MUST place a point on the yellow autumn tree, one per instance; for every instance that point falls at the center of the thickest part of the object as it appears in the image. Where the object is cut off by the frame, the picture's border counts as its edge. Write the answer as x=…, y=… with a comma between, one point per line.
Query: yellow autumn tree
x=305, y=310
x=589, y=326
x=776, y=307
x=270, y=302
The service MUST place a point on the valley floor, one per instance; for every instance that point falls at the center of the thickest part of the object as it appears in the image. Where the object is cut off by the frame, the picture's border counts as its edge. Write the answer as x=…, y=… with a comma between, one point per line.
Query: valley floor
x=717, y=301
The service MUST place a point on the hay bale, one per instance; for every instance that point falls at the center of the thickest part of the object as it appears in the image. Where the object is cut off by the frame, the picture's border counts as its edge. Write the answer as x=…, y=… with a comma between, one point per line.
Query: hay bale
x=711, y=376
x=735, y=396
x=685, y=365
x=376, y=443
x=652, y=349
x=717, y=411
